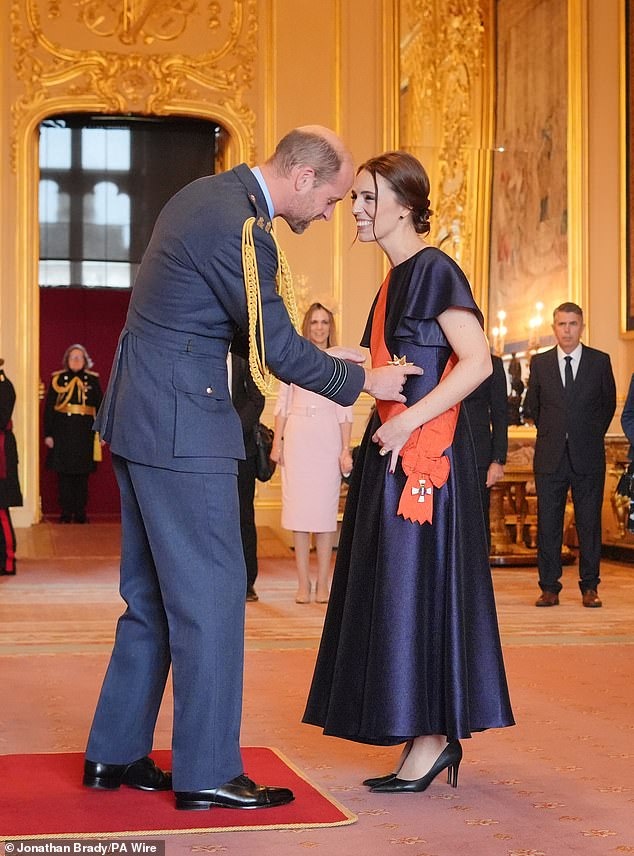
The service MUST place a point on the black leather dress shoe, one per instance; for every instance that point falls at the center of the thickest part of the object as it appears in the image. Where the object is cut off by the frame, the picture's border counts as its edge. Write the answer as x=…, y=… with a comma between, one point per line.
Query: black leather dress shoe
x=142, y=774
x=240, y=792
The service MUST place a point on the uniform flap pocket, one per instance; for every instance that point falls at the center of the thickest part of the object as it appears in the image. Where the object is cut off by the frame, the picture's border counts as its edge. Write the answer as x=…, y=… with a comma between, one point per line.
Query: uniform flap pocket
x=200, y=377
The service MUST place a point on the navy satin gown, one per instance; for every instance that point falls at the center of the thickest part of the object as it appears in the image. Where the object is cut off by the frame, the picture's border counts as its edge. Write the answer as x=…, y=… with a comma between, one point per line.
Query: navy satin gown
x=410, y=644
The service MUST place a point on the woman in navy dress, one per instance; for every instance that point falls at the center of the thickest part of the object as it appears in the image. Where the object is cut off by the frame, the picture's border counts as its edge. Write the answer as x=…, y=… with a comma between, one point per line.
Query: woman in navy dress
x=410, y=651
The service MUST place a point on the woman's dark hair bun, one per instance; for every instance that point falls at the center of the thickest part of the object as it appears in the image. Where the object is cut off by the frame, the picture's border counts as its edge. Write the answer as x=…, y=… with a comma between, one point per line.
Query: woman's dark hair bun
x=409, y=180
x=420, y=216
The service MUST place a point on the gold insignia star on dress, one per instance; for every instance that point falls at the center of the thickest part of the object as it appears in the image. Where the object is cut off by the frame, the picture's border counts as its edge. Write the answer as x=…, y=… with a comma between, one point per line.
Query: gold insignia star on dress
x=399, y=361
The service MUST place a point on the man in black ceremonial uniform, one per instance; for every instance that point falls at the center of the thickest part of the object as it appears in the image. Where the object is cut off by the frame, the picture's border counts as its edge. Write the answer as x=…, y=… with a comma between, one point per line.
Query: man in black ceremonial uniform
x=10, y=494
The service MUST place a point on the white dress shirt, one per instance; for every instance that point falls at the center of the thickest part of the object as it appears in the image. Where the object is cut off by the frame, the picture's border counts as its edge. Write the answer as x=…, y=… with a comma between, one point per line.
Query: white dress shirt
x=576, y=356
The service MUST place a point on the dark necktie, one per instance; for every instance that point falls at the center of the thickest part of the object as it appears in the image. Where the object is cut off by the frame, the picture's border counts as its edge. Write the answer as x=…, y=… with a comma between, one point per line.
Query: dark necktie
x=569, y=379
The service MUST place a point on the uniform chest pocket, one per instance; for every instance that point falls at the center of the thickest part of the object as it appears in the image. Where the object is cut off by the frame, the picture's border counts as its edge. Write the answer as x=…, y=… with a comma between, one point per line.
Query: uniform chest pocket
x=206, y=424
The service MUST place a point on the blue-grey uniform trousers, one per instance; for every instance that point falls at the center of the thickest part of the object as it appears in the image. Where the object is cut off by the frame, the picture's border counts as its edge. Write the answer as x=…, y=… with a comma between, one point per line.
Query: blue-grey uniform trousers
x=183, y=579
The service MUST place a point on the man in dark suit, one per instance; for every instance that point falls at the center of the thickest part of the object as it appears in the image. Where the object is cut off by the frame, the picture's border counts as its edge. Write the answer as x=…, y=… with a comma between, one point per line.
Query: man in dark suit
x=176, y=440
x=487, y=409
x=571, y=397
x=249, y=404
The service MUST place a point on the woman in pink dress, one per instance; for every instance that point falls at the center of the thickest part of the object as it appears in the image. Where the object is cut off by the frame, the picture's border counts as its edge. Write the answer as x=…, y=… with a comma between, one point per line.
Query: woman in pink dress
x=312, y=447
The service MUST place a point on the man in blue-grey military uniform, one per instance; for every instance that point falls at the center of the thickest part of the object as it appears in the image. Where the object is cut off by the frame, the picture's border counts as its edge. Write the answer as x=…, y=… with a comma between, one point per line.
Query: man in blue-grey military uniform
x=176, y=440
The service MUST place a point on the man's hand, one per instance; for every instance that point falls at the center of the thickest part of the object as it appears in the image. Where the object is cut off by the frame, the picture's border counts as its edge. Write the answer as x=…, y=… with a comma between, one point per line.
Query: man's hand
x=495, y=473
x=49, y=442
x=386, y=383
x=351, y=354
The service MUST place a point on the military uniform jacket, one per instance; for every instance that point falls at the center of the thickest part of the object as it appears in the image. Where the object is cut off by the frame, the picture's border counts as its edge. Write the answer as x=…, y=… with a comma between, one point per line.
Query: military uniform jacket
x=167, y=403
x=10, y=494
x=72, y=401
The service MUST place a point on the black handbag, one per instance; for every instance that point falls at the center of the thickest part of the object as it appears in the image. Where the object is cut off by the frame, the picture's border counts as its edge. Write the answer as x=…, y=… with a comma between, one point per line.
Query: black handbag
x=264, y=466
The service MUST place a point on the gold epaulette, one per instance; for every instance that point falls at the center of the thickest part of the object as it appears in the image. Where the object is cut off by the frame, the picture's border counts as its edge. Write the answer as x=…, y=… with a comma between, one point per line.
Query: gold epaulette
x=58, y=372
x=261, y=375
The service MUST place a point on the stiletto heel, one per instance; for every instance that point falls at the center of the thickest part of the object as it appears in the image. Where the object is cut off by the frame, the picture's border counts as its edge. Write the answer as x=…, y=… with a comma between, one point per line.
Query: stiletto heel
x=449, y=759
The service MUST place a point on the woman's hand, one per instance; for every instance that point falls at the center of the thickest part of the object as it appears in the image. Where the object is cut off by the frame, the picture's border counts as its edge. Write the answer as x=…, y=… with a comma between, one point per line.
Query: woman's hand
x=392, y=436
x=49, y=442
x=345, y=462
x=276, y=453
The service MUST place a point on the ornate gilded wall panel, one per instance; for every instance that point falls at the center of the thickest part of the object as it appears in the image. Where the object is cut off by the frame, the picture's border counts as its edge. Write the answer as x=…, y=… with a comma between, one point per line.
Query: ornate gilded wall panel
x=443, y=75
x=135, y=56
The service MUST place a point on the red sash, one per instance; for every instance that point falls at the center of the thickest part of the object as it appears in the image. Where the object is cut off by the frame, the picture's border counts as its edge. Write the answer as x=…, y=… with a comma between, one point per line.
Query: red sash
x=423, y=459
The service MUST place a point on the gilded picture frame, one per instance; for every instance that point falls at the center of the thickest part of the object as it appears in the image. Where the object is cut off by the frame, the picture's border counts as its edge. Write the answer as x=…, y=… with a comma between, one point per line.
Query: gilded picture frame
x=537, y=255
x=627, y=164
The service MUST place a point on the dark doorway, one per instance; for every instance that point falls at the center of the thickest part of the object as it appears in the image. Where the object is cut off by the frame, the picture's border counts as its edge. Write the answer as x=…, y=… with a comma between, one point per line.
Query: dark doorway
x=103, y=181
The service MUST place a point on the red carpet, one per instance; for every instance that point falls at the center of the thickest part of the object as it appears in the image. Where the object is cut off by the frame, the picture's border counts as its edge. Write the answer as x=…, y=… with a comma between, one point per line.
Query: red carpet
x=43, y=797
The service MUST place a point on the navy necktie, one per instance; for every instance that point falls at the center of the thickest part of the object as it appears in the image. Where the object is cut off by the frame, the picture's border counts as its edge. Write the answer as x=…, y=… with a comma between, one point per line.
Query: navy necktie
x=569, y=379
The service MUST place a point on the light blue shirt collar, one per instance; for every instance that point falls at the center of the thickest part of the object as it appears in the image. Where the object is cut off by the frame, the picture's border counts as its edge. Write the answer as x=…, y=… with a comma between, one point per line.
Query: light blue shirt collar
x=257, y=172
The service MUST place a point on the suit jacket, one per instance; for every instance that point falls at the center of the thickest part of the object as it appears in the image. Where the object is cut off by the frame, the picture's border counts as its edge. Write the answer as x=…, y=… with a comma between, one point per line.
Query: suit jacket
x=582, y=421
x=488, y=417
x=167, y=403
x=627, y=417
x=247, y=400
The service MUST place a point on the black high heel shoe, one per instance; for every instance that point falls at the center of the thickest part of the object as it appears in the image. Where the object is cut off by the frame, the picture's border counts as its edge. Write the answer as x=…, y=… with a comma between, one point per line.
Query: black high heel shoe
x=449, y=759
x=378, y=780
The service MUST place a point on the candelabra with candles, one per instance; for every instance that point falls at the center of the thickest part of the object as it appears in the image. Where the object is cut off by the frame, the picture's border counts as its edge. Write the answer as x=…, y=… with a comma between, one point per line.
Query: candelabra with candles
x=535, y=327
x=499, y=334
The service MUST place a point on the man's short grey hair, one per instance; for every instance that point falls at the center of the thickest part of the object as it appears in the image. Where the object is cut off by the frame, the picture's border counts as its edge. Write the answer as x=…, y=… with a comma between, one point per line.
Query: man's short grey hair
x=568, y=306
x=302, y=147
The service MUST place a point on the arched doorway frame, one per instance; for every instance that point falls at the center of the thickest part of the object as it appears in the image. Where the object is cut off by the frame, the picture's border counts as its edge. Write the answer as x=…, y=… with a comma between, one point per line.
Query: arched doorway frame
x=239, y=148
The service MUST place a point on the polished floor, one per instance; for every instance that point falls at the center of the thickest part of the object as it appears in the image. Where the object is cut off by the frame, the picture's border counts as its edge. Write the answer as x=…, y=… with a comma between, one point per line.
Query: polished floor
x=561, y=781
